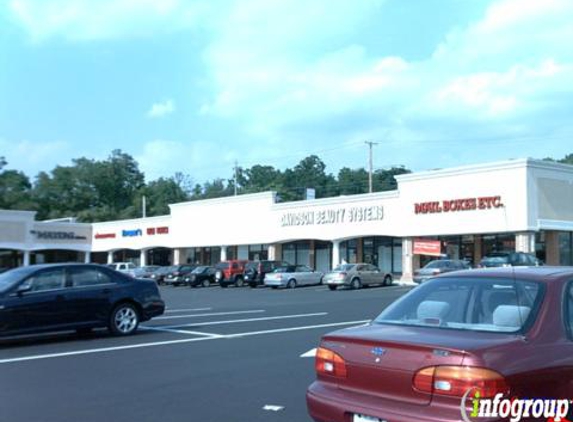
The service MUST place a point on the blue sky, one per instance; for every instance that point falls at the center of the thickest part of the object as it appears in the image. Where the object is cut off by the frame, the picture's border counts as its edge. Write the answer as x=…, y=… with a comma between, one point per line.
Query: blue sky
x=192, y=86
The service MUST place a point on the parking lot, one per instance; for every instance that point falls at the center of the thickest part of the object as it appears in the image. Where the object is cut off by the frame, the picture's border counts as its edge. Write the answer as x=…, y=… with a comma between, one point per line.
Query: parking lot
x=216, y=354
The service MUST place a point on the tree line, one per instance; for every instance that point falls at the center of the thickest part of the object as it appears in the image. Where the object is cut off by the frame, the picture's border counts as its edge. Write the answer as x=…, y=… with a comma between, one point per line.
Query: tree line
x=113, y=188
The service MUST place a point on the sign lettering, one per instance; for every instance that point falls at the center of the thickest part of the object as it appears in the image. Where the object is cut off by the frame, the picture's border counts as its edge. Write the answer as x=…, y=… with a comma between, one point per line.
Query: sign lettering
x=456, y=205
x=333, y=216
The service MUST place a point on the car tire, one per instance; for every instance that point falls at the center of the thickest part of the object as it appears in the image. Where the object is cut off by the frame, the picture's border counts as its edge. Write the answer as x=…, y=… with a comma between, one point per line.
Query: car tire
x=239, y=282
x=356, y=284
x=291, y=284
x=332, y=287
x=124, y=319
x=388, y=280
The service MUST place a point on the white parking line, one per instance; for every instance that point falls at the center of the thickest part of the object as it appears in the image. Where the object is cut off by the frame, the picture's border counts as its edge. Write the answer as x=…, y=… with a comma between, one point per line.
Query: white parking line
x=257, y=311
x=234, y=321
x=172, y=342
x=171, y=330
x=286, y=330
x=187, y=310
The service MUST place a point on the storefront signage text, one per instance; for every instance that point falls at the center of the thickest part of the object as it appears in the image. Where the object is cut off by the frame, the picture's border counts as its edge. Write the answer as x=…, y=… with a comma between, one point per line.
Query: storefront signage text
x=427, y=247
x=333, y=216
x=151, y=231
x=105, y=236
x=56, y=235
x=455, y=205
x=131, y=233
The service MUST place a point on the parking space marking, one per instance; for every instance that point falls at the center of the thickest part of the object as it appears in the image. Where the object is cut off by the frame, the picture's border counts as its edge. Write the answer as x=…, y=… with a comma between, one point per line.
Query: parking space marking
x=187, y=310
x=205, y=337
x=171, y=330
x=234, y=321
x=307, y=327
x=256, y=311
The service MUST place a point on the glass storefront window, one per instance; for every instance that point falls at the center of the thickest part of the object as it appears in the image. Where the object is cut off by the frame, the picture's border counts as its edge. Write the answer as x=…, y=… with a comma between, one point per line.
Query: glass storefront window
x=565, y=248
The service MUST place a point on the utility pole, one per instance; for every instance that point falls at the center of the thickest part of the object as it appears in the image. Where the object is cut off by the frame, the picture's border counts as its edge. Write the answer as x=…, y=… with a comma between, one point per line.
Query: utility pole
x=144, y=206
x=370, y=144
x=235, y=178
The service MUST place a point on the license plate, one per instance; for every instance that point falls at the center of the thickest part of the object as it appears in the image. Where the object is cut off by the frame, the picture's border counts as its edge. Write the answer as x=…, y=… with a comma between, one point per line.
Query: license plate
x=364, y=418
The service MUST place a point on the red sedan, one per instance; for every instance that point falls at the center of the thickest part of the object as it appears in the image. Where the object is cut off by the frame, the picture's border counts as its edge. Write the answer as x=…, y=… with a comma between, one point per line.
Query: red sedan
x=481, y=345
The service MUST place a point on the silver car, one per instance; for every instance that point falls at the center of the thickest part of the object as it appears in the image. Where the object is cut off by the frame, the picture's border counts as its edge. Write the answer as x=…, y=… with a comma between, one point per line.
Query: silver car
x=437, y=267
x=356, y=276
x=291, y=276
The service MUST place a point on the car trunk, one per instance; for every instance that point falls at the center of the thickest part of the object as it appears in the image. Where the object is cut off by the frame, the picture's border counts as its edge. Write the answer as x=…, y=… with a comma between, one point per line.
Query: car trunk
x=382, y=360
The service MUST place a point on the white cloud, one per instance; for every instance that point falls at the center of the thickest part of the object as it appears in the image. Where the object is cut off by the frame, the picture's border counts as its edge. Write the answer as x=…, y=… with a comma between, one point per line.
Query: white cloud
x=161, y=109
x=87, y=20
x=29, y=156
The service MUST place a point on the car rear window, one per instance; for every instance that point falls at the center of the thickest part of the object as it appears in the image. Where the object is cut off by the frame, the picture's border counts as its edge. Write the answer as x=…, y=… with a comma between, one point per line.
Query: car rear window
x=475, y=304
x=344, y=267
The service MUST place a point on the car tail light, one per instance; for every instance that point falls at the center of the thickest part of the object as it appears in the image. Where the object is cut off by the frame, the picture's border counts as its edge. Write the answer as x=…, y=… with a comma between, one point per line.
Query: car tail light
x=458, y=380
x=329, y=363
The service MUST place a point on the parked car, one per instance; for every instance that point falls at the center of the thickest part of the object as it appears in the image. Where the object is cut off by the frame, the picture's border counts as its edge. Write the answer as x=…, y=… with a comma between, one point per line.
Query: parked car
x=123, y=267
x=509, y=259
x=501, y=331
x=56, y=297
x=159, y=275
x=437, y=267
x=177, y=274
x=255, y=271
x=231, y=272
x=291, y=276
x=356, y=276
x=201, y=276
x=145, y=272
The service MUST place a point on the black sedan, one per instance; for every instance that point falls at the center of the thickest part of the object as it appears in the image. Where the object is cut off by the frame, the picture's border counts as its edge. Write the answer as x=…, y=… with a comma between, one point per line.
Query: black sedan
x=201, y=276
x=57, y=297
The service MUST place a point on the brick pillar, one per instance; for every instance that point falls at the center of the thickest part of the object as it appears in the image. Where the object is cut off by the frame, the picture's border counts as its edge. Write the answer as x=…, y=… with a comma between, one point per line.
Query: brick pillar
x=552, y=253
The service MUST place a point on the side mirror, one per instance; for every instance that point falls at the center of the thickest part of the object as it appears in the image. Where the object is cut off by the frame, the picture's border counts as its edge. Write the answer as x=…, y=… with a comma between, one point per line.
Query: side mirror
x=23, y=288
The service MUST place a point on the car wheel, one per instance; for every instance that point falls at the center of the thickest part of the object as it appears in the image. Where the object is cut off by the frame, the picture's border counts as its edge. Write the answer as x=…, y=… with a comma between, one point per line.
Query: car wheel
x=206, y=283
x=239, y=282
x=332, y=287
x=356, y=284
x=124, y=319
x=291, y=284
x=388, y=280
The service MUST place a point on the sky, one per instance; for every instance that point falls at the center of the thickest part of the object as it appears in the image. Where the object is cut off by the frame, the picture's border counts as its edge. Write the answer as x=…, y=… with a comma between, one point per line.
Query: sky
x=193, y=86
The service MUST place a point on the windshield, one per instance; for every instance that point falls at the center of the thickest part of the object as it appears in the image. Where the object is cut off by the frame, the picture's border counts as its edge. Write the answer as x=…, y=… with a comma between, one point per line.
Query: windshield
x=344, y=267
x=199, y=270
x=10, y=277
x=436, y=264
x=495, y=305
x=495, y=260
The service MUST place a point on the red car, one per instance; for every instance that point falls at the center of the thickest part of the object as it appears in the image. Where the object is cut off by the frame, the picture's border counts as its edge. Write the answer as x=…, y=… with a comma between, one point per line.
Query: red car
x=457, y=348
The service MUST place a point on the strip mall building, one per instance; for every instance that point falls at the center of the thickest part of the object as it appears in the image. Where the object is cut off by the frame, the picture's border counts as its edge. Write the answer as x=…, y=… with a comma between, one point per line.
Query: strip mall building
x=465, y=212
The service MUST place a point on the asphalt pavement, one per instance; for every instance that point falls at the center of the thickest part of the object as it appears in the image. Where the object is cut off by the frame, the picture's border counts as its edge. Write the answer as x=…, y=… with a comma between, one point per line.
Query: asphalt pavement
x=230, y=355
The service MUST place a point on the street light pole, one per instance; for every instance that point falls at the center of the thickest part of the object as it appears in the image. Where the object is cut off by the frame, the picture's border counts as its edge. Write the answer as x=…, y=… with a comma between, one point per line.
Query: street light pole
x=370, y=144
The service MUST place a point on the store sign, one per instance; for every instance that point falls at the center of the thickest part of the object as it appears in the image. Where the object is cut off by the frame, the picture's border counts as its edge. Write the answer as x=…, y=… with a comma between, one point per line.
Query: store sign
x=104, y=236
x=56, y=235
x=131, y=233
x=333, y=216
x=151, y=231
x=456, y=205
x=427, y=247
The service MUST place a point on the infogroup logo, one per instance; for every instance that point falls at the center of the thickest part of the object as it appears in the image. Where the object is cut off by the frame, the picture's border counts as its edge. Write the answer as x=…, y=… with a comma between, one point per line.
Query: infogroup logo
x=512, y=409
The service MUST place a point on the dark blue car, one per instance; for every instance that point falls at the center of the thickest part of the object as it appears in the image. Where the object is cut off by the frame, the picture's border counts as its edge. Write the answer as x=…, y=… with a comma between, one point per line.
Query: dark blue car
x=56, y=297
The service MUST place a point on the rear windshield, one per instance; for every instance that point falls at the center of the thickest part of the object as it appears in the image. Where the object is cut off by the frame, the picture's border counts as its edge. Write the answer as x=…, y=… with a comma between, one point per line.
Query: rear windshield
x=495, y=260
x=286, y=269
x=436, y=264
x=493, y=305
x=344, y=267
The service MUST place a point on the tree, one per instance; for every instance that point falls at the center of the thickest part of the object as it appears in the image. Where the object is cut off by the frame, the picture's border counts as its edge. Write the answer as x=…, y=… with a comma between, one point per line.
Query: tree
x=162, y=192
x=352, y=181
x=384, y=180
x=15, y=189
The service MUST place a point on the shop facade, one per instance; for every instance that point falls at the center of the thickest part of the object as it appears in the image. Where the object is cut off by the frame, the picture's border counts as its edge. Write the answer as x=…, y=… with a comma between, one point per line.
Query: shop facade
x=463, y=213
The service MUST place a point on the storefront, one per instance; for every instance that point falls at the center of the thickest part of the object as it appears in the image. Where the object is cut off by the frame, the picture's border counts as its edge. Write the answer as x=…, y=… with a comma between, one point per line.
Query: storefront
x=462, y=213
